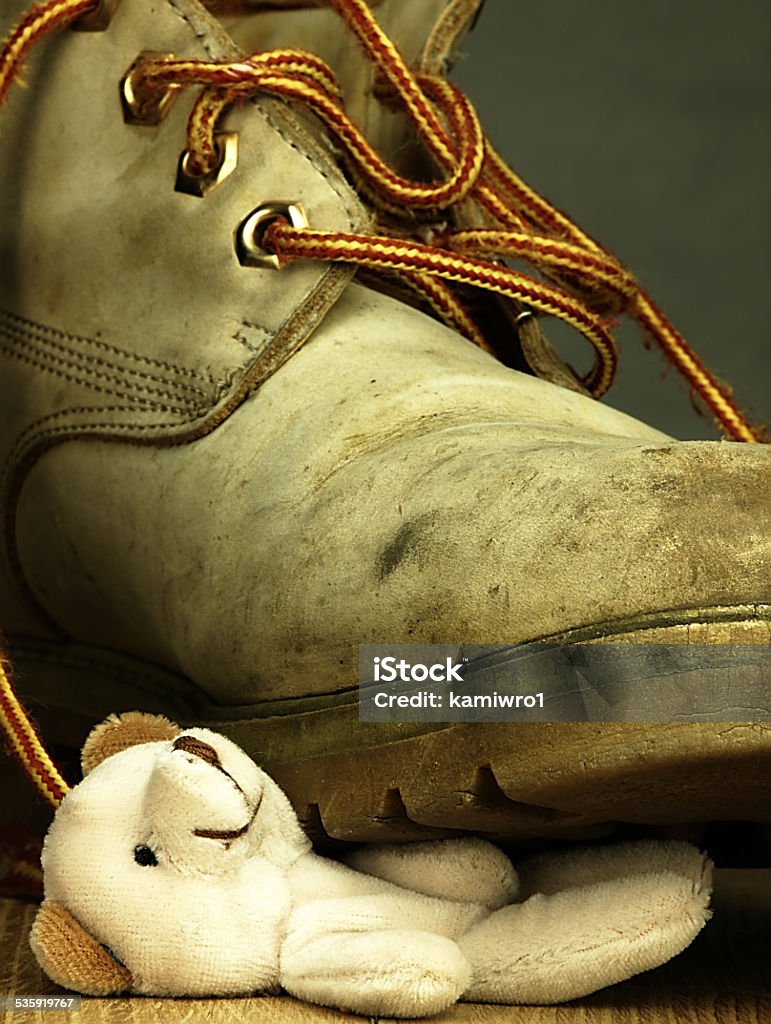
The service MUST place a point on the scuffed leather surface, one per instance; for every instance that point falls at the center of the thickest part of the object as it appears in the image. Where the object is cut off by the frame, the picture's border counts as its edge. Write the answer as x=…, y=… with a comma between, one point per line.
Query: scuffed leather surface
x=391, y=482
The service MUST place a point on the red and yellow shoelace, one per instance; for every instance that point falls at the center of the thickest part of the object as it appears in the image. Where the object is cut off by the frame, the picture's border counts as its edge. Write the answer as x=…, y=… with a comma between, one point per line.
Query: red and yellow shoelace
x=25, y=743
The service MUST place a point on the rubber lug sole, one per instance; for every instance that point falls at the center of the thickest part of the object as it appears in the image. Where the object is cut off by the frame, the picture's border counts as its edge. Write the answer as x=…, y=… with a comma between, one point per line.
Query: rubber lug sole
x=359, y=782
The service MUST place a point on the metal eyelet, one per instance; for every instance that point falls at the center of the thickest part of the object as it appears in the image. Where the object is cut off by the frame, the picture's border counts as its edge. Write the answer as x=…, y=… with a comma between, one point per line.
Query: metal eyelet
x=202, y=184
x=250, y=231
x=98, y=19
x=136, y=111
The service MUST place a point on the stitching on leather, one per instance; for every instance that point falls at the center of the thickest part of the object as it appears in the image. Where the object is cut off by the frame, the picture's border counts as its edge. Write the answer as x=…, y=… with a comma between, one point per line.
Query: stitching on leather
x=34, y=431
x=255, y=350
x=55, y=332
x=132, y=401
x=204, y=42
x=213, y=52
x=33, y=437
x=345, y=197
x=80, y=360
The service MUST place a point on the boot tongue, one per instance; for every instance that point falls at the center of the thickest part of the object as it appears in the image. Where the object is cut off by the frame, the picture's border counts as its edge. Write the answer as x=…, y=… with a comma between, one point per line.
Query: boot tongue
x=426, y=33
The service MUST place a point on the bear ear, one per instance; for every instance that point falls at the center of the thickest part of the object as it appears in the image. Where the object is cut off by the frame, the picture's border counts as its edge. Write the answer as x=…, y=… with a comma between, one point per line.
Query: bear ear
x=73, y=958
x=118, y=732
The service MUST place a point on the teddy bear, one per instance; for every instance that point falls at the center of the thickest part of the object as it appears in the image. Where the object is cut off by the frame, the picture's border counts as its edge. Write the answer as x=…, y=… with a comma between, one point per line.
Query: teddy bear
x=177, y=867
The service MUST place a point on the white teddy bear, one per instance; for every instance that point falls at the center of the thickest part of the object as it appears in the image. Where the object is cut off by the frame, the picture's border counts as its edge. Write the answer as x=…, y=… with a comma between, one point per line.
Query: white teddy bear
x=178, y=868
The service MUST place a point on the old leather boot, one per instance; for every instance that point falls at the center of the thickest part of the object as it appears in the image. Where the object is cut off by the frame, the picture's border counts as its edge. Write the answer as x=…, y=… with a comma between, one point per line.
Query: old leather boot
x=222, y=476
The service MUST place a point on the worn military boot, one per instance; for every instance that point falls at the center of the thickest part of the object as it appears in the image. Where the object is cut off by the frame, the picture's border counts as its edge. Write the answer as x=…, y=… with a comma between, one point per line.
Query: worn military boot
x=226, y=464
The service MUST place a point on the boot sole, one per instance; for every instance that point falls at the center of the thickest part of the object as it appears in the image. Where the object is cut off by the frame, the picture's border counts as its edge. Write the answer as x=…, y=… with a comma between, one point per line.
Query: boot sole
x=386, y=782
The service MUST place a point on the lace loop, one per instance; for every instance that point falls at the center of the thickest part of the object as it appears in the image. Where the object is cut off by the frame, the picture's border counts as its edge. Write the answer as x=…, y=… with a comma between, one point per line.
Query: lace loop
x=294, y=76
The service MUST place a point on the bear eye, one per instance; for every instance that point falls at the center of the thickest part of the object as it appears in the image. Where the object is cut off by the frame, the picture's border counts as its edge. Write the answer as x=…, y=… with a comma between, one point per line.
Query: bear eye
x=144, y=855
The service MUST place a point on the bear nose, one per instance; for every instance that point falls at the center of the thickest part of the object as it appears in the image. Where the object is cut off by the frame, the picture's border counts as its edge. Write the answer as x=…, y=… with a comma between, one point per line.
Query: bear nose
x=192, y=745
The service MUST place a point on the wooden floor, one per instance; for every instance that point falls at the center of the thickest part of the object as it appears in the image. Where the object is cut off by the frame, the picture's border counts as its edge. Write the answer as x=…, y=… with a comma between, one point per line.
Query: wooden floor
x=723, y=978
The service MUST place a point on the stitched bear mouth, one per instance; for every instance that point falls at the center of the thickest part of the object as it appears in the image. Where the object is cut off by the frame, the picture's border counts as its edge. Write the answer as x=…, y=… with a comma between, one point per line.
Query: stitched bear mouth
x=199, y=748
x=210, y=833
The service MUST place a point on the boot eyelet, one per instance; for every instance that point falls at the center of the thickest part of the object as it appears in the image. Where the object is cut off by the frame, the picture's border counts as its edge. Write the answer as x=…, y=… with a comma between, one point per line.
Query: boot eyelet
x=144, y=112
x=98, y=19
x=202, y=184
x=251, y=230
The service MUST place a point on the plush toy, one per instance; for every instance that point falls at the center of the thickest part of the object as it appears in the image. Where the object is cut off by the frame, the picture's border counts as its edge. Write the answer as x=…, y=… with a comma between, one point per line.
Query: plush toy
x=178, y=868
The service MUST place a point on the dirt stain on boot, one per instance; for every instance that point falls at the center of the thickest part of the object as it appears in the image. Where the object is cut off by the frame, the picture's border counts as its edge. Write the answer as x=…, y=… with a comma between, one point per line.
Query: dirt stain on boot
x=405, y=545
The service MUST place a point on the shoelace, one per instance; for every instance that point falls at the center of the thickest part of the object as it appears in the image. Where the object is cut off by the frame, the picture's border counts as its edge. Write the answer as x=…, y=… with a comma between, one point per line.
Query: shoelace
x=20, y=873
x=24, y=742
x=587, y=286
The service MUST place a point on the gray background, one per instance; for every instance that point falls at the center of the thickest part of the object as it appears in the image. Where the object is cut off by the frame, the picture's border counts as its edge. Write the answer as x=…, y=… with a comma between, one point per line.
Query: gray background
x=648, y=123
